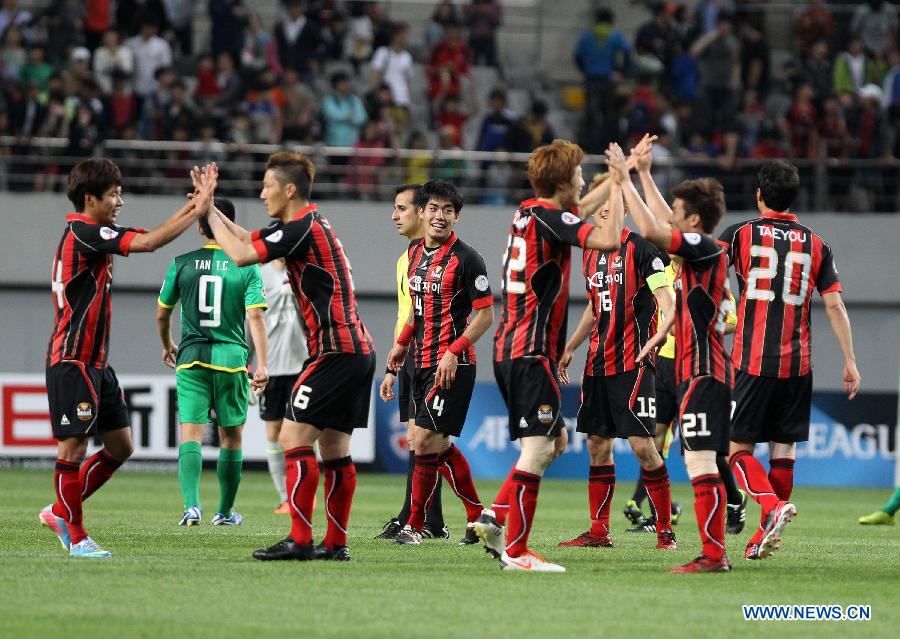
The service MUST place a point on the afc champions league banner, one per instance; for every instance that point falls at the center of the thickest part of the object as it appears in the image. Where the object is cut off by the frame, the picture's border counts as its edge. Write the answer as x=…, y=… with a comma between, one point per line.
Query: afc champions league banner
x=152, y=402
x=851, y=443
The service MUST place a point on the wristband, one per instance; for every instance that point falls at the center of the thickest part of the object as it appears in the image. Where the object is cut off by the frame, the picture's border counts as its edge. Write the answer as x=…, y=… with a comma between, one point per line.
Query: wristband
x=390, y=371
x=461, y=344
x=406, y=335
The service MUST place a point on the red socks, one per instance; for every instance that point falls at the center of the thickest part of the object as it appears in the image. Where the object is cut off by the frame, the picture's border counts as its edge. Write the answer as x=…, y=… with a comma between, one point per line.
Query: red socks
x=709, y=506
x=601, y=485
x=340, y=484
x=302, y=480
x=657, y=483
x=425, y=479
x=751, y=475
x=523, y=502
x=454, y=468
x=501, y=501
x=68, y=498
x=781, y=476
x=96, y=472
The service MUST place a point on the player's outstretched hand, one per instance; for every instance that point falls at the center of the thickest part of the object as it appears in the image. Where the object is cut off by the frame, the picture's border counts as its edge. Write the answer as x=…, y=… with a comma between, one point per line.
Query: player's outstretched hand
x=204, y=196
x=658, y=339
x=396, y=356
x=641, y=157
x=259, y=381
x=563, y=368
x=387, y=387
x=618, y=168
x=446, y=370
x=852, y=379
x=169, y=354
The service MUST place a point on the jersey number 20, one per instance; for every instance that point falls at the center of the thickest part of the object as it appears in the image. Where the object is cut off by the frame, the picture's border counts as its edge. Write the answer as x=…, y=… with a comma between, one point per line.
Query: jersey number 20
x=769, y=270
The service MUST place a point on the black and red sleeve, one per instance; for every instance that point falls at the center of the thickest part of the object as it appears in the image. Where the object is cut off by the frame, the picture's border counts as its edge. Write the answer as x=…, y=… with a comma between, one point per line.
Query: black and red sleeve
x=93, y=238
x=561, y=227
x=827, y=279
x=696, y=248
x=284, y=240
x=476, y=281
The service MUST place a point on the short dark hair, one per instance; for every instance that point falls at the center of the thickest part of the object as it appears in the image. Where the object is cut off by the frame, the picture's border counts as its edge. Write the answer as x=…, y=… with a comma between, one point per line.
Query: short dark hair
x=293, y=168
x=339, y=76
x=779, y=183
x=439, y=190
x=407, y=187
x=705, y=197
x=226, y=206
x=92, y=177
x=604, y=14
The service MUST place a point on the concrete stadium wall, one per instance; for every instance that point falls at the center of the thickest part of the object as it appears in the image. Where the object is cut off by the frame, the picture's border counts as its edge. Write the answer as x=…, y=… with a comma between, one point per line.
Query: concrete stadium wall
x=865, y=246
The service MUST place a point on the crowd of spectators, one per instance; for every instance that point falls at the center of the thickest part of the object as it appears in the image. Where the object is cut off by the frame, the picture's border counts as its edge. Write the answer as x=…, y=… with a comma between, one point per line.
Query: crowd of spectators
x=703, y=77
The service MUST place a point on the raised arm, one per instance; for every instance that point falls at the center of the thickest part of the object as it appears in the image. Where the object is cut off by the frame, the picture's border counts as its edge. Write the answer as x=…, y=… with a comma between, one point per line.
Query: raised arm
x=236, y=229
x=242, y=254
x=167, y=231
x=654, y=199
x=840, y=324
x=650, y=227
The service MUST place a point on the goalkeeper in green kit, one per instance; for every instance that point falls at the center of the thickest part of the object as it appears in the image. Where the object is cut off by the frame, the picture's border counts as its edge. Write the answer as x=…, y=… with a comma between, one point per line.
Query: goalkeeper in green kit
x=211, y=361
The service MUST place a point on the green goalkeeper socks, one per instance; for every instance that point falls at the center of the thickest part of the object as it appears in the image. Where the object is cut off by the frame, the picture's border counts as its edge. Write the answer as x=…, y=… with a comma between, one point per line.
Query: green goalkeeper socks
x=190, y=463
x=228, y=469
x=893, y=505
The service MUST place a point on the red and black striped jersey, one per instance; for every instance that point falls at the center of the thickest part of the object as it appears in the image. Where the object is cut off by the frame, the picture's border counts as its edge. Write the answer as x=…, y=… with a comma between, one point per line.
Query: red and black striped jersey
x=620, y=288
x=81, y=278
x=321, y=279
x=778, y=263
x=700, y=289
x=536, y=281
x=446, y=283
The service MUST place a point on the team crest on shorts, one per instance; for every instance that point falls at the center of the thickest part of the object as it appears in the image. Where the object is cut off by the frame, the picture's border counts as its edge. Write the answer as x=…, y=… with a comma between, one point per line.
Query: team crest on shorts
x=545, y=413
x=84, y=411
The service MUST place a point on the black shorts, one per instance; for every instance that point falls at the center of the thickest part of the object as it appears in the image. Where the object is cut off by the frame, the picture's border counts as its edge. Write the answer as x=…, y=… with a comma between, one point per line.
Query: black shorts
x=274, y=400
x=334, y=391
x=618, y=405
x=530, y=388
x=404, y=388
x=665, y=390
x=770, y=409
x=704, y=408
x=84, y=400
x=442, y=409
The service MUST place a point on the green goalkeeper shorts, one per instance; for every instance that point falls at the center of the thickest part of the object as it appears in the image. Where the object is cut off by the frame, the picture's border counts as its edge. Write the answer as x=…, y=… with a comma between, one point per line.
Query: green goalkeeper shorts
x=201, y=389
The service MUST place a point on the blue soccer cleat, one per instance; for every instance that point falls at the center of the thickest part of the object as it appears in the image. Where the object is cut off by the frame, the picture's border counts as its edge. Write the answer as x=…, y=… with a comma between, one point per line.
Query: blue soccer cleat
x=57, y=525
x=191, y=517
x=235, y=519
x=88, y=549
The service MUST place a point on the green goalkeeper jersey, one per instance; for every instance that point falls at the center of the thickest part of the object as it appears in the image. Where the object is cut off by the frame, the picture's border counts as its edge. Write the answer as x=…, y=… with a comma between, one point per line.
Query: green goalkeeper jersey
x=214, y=294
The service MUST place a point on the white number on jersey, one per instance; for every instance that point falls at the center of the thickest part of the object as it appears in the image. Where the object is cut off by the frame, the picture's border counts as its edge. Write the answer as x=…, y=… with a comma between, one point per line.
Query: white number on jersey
x=438, y=405
x=515, y=263
x=646, y=407
x=301, y=401
x=689, y=421
x=210, y=285
x=767, y=272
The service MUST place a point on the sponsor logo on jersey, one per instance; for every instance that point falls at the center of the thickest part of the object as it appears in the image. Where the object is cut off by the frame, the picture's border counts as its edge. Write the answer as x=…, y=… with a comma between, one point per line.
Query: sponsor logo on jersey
x=108, y=234
x=657, y=264
x=523, y=423
x=84, y=411
x=437, y=270
x=617, y=263
x=692, y=238
x=602, y=259
x=596, y=280
x=275, y=237
x=568, y=218
x=64, y=421
x=482, y=283
x=545, y=413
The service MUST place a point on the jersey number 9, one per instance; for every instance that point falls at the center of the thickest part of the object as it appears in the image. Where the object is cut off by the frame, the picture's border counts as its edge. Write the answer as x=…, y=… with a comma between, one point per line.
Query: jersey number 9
x=210, y=287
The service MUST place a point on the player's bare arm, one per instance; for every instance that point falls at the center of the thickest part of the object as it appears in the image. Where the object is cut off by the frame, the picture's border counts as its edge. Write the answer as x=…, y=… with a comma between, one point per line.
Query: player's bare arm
x=581, y=333
x=597, y=197
x=164, y=329
x=446, y=370
x=397, y=354
x=653, y=198
x=239, y=231
x=242, y=254
x=650, y=227
x=666, y=302
x=256, y=318
x=840, y=324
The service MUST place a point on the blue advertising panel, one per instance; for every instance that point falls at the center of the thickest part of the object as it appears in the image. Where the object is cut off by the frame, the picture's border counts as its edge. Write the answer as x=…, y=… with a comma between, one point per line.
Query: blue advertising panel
x=850, y=443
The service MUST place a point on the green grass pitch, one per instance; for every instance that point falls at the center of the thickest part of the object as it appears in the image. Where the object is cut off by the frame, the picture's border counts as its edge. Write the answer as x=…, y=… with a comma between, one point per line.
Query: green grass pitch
x=166, y=581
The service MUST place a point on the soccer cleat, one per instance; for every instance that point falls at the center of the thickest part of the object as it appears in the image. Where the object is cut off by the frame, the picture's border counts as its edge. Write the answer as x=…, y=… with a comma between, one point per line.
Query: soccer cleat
x=704, y=564
x=878, y=518
x=409, y=536
x=778, y=518
x=752, y=552
x=490, y=532
x=88, y=549
x=338, y=553
x=665, y=540
x=57, y=525
x=647, y=524
x=283, y=509
x=588, y=540
x=436, y=532
x=529, y=561
x=284, y=550
x=191, y=517
x=633, y=512
x=390, y=529
x=676, y=513
x=471, y=537
x=235, y=519
x=736, y=516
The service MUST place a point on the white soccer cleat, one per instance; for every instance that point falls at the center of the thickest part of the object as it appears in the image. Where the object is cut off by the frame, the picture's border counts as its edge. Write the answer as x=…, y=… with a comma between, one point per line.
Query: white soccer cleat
x=490, y=532
x=529, y=562
x=780, y=517
x=191, y=517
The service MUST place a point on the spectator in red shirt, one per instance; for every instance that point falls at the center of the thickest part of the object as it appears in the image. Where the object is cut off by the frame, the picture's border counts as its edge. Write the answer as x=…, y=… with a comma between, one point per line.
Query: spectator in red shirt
x=452, y=117
x=449, y=64
x=813, y=24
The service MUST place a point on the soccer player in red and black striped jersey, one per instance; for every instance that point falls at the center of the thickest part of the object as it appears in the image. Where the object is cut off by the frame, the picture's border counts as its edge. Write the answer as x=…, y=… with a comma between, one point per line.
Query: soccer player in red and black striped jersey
x=778, y=262
x=84, y=394
x=530, y=338
x=702, y=367
x=448, y=281
x=331, y=396
x=625, y=288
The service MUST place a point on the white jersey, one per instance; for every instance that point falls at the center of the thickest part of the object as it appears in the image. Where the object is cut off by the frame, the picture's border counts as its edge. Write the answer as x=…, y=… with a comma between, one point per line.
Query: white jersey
x=287, y=346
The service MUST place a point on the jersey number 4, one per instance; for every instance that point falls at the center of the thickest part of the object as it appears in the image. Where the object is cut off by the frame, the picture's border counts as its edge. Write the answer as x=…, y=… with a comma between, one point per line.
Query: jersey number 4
x=767, y=272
